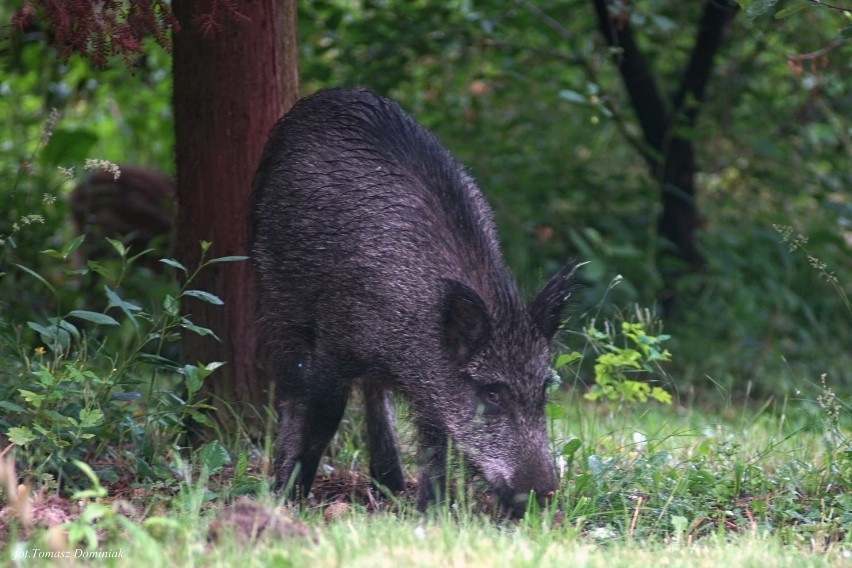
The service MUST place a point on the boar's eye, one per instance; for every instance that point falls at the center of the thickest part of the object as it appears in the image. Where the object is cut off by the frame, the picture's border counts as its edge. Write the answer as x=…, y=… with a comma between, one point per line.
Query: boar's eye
x=492, y=399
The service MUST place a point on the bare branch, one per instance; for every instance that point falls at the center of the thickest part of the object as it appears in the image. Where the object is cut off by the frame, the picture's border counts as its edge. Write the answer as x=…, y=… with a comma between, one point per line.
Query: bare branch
x=592, y=76
x=831, y=6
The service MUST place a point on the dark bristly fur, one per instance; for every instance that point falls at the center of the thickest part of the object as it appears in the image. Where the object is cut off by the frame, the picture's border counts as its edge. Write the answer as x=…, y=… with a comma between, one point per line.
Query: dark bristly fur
x=378, y=258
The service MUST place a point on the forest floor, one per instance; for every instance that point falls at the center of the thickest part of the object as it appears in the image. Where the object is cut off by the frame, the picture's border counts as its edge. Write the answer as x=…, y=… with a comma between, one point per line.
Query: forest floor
x=641, y=485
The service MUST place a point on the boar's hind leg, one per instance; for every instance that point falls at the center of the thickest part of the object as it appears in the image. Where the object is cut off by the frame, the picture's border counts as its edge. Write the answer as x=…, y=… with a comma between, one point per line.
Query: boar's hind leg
x=385, y=466
x=307, y=424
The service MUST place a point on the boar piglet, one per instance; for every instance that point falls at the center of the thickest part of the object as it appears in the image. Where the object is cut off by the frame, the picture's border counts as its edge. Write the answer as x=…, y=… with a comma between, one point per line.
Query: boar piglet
x=378, y=260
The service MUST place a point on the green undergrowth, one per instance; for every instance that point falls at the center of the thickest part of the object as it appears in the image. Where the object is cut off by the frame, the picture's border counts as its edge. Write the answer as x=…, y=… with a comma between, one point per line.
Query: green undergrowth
x=360, y=541
x=641, y=483
x=96, y=464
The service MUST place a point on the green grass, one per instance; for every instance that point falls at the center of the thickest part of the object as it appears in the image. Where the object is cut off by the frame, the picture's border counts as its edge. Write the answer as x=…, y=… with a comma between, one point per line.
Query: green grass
x=647, y=485
x=387, y=542
x=360, y=540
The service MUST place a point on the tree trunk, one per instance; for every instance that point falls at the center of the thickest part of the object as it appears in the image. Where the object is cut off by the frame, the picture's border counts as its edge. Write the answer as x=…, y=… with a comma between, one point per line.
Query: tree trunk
x=232, y=81
x=680, y=219
x=672, y=156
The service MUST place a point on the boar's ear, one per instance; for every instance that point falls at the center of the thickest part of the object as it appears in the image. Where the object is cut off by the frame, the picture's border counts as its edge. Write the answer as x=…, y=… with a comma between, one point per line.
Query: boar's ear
x=548, y=307
x=465, y=321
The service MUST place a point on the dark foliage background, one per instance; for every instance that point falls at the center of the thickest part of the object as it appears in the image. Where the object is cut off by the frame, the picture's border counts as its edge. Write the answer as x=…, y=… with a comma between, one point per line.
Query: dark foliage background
x=539, y=115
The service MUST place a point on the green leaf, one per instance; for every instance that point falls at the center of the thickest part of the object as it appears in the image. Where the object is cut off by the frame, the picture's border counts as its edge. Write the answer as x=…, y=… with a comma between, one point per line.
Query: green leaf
x=160, y=524
x=12, y=407
x=594, y=393
x=171, y=305
x=790, y=10
x=99, y=268
x=97, y=491
x=567, y=359
x=52, y=253
x=45, y=377
x=204, y=296
x=679, y=524
x=67, y=146
x=21, y=435
x=127, y=308
x=661, y=395
x=52, y=336
x=136, y=256
x=38, y=277
x=571, y=447
x=94, y=511
x=73, y=245
x=573, y=97
x=80, y=376
x=235, y=258
x=93, y=317
x=115, y=301
x=194, y=375
x=242, y=465
x=200, y=418
x=189, y=326
x=554, y=411
x=126, y=396
x=66, y=251
x=35, y=399
x=159, y=360
x=846, y=32
x=213, y=456
x=759, y=7
x=173, y=263
x=90, y=418
x=67, y=326
x=118, y=246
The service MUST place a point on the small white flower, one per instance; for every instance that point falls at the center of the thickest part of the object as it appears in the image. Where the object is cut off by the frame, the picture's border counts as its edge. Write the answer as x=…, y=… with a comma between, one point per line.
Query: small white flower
x=602, y=533
x=66, y=172
x=103, y=165
x=561, y=463
x=31, y=219
x=640, y=441
x=49, y=125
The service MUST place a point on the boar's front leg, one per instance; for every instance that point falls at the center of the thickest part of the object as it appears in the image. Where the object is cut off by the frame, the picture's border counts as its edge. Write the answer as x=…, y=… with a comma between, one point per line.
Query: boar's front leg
x=385, y=465
x=432, y=457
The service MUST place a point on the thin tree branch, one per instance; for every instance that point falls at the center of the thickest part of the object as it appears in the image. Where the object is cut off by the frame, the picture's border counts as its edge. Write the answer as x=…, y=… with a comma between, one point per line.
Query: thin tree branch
x=556, y=54
x=715, y=19
x=645, y=97
x=592, y=76
x=831, y=6
x=818, y=53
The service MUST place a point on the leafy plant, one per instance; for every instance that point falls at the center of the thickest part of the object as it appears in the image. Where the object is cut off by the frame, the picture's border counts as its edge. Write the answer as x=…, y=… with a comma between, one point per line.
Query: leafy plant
x=638, y=355
x=87, y=388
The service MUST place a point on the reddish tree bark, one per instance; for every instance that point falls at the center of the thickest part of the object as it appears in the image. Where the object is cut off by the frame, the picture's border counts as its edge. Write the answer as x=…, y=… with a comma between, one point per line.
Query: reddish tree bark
x=234, y=75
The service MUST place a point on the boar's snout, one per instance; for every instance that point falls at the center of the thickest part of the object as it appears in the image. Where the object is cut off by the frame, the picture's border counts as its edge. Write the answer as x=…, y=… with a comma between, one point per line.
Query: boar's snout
x=537, y=477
